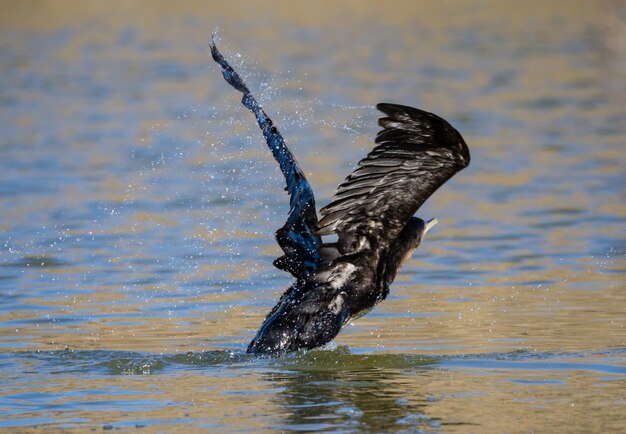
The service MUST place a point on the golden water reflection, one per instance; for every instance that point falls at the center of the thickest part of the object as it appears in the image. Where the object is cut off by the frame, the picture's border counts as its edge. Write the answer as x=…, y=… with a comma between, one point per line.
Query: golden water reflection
x=138, y=205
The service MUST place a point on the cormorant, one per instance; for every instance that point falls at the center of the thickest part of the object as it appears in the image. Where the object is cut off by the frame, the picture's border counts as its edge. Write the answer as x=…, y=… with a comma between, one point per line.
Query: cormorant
x=371, y=213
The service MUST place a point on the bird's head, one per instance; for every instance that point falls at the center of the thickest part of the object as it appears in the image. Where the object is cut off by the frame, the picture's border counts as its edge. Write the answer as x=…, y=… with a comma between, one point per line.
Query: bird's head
x=414, y=232
x=405, y=244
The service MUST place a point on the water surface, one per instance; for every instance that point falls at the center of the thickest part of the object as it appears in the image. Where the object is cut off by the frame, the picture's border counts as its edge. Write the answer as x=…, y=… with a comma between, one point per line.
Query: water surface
x=138, y=204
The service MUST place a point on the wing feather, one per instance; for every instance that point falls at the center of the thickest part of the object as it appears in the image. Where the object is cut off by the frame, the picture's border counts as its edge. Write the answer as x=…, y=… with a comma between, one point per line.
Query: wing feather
x=417, y=152
x=297, y=237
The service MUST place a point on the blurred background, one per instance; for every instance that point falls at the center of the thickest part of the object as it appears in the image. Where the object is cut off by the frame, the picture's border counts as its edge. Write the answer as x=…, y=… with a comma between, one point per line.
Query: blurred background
x=138, y=204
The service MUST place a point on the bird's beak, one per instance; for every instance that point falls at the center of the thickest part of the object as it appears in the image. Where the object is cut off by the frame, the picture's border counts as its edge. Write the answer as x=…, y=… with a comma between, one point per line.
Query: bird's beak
x=429, y=225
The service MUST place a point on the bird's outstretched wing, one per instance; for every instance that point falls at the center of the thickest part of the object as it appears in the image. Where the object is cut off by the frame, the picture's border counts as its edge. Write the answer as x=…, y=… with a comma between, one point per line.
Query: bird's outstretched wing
x=297, y=237
x=417, y=152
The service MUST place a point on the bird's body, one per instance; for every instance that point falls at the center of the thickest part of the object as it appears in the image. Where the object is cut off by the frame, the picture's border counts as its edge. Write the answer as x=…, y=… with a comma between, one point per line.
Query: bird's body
x=372, y=215
x=313, y=310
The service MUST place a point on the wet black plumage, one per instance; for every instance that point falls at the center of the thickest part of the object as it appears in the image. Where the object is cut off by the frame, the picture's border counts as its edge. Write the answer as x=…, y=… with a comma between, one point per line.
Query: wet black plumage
x=371, y=213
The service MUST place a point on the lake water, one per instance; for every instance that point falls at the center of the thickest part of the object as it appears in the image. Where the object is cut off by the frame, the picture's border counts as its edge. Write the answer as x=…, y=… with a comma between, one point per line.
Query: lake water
x=138, y=203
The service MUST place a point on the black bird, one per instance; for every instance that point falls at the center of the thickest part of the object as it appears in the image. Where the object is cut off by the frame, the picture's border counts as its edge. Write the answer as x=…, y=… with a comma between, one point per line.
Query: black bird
x=371, y=213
